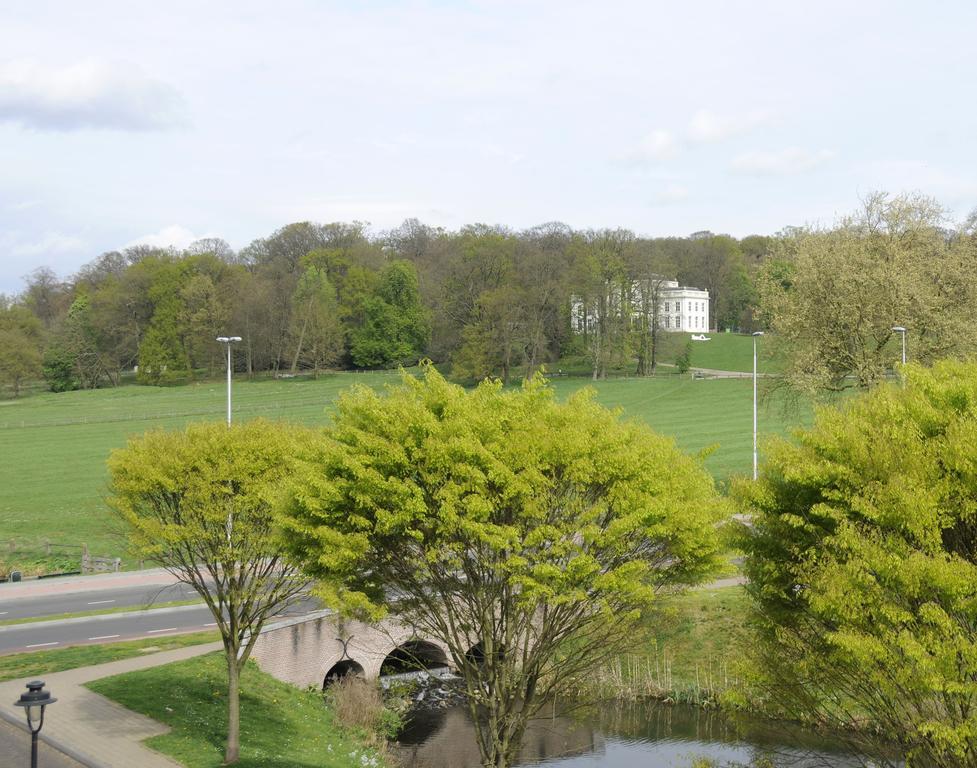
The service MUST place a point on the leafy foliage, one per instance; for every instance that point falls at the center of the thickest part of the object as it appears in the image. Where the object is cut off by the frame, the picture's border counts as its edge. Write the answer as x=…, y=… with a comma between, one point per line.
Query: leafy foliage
x=863, y=566
x=200, y=502
x=534, y=531
x=832, y=296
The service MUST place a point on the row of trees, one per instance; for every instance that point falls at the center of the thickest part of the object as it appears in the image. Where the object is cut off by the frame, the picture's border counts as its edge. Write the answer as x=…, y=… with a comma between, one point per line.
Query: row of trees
x=490, y=301
x=487, y=300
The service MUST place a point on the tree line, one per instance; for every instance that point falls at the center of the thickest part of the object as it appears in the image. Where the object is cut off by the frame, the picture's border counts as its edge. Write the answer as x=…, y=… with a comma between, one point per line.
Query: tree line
x=489, y=301
x=485, y=300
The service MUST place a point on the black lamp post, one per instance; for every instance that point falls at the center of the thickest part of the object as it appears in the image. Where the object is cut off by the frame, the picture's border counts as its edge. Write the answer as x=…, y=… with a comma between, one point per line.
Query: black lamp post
x=34, y=702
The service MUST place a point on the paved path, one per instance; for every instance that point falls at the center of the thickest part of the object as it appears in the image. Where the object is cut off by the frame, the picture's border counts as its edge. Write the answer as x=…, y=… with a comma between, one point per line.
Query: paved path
x=15, y=749
x=95, y=731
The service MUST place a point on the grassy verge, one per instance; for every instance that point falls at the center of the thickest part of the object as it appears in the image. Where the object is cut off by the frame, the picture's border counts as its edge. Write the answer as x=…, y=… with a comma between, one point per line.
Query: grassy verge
x=40, y=663
x=280, y=726
x=83, y=614
x=690, y=651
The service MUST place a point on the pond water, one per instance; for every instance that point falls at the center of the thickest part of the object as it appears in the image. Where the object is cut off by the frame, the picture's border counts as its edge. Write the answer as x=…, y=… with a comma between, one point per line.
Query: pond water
x=626, y=736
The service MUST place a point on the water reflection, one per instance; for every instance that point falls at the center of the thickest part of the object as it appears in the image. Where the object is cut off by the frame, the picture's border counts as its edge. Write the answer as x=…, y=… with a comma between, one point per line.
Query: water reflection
x=624, y=737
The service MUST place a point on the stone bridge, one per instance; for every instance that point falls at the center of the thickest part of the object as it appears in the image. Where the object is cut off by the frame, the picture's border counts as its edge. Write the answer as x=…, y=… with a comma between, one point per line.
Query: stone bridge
x=310, y=650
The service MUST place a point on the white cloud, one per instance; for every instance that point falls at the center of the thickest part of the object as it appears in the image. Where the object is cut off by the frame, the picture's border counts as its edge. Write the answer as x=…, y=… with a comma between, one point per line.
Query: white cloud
x=653, y=148
x=673, y=193
x=51, y=243
x=86, y=94
x=23, y=205
x=173, y=236
x=780, y=162
x=707, y=126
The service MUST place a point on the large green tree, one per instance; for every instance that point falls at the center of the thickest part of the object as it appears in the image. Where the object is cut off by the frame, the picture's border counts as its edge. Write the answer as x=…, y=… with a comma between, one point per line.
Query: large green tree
x=525, y=534
x=832, y=296
x=394, y=328
x=862, y=562
x=201, y=503
x=316, y=330
x=21, y=339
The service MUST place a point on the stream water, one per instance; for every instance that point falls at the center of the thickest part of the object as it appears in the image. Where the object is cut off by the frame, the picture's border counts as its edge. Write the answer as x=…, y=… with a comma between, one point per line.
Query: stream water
x=626, y=736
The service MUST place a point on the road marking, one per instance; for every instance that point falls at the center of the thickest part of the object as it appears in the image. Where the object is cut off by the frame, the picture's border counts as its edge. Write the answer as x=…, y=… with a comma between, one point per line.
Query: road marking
x=168, y=629
x=3, y=613
x=41, y=645
x=104, y=637
x=101, y=602
x=212, y=624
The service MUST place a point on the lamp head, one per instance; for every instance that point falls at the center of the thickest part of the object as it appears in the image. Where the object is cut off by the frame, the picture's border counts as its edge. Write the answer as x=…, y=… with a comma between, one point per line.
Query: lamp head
x=34, y=702
x=757, y=333
x=898, y=329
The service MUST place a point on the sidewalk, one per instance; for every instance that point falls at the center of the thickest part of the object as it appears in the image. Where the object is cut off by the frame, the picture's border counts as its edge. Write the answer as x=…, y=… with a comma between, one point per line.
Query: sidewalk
x=63, y=585
x=93, y=730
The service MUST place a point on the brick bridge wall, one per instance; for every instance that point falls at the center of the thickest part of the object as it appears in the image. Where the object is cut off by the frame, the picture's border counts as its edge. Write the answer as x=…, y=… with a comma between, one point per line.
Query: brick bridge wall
x=301, y=651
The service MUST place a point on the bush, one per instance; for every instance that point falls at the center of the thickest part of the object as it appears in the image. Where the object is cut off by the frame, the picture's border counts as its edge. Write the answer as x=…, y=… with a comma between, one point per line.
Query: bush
x=684, y=360
x=358, y=705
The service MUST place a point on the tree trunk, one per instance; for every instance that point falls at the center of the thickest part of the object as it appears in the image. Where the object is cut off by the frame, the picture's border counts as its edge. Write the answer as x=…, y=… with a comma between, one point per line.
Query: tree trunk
x=232, y=752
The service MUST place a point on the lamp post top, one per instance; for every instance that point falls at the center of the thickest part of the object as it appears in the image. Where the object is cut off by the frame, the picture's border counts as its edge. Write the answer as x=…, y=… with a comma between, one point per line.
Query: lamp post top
x=35, y=696
x=898, y=329
x=228, y=339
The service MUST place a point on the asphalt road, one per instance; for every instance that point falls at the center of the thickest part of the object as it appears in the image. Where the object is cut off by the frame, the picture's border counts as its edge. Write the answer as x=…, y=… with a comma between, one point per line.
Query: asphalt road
x=110, y=628
x=92, y=600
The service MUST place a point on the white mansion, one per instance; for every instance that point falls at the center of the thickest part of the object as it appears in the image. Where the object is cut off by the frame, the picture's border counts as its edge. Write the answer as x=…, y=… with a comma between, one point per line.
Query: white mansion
x=680, y=308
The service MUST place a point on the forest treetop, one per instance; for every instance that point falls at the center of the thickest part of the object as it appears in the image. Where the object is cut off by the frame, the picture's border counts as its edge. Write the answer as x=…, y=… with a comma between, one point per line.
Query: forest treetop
x=312, y=296
x=490, y=301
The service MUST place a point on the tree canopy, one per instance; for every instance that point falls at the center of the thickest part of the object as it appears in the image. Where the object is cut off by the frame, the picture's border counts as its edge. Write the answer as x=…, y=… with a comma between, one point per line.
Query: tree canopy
x=526, y=534
x=201, y=503
x=831, y=296
x=482, y=300
x=862, y=561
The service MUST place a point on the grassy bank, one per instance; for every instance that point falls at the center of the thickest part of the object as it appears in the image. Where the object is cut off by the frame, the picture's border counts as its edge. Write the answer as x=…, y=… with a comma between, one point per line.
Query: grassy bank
x=39, y=663
x=690, y=650
x=280, y=726
x=55, y=446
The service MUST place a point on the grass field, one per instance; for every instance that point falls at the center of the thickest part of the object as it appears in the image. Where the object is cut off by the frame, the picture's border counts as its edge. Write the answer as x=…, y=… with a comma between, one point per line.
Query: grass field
x=280, y=726
x=54, y=446
x=35, y=664
x=732, y=352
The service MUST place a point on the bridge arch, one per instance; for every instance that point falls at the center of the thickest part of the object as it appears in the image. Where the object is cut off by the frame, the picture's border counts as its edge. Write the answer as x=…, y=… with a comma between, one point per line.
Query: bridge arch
x=341, y=669
x=413, y=655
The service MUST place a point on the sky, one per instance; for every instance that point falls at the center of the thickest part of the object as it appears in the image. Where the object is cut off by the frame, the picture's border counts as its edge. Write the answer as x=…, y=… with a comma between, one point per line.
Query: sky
x=130, y=122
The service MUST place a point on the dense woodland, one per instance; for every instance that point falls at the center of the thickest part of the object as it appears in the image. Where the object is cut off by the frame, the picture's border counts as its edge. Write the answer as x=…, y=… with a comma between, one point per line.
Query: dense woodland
x=483, y=300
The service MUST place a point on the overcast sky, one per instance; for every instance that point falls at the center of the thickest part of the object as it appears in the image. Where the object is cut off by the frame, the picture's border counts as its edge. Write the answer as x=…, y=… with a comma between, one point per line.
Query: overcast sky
x=124, y=122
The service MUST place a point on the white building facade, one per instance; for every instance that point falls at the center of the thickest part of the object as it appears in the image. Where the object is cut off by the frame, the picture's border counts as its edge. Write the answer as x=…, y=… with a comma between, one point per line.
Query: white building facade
x=683, y=308
x=680, y=308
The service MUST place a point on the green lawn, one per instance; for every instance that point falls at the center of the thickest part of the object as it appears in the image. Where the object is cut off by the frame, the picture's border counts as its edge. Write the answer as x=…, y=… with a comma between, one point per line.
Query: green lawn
x=280, y=725
x=55, y=445
x=732, y=352
x=39, y=663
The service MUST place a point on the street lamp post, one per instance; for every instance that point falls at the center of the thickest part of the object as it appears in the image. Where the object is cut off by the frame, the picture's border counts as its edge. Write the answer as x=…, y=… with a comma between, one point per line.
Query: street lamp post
x=900, y=330
x=227, y=341
x=756, y=334
x=34, y=702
